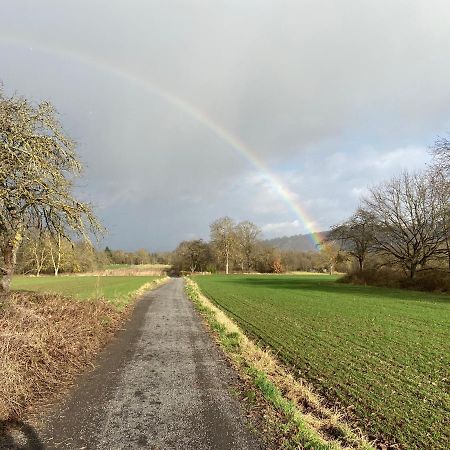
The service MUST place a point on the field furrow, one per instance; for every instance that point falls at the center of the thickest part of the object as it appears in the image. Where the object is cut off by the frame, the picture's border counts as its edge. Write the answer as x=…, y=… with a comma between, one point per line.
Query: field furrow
x=382, y=354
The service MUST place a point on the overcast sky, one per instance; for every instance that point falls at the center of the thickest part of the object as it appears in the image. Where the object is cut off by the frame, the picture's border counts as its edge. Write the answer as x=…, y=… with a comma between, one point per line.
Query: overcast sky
x=332, y=96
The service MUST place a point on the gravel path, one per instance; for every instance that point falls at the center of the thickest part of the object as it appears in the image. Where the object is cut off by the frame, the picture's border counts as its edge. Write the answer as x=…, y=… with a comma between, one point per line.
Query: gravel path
x=162, y=384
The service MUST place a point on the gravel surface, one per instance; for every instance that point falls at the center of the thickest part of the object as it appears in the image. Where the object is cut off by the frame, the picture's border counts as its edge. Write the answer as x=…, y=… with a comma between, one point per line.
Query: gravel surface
x=162, y=384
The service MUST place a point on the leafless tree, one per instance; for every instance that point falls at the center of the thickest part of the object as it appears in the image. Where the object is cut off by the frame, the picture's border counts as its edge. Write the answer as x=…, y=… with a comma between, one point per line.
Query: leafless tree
x=440, y=174
x=330, y=254
x=356, y=235
x=247, y=234
x=36, y=252
x=56, y=246
x=441, y=156
x=223, y=238
x=38, y=165
x=408, y=217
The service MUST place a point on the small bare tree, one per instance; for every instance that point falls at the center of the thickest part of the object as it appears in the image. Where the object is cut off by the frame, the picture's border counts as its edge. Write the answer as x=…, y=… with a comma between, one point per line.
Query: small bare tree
x=408, y=217
x=35, y=253
x=355, y=235
x=329, y=255
x=56, y=252
x=38, y=165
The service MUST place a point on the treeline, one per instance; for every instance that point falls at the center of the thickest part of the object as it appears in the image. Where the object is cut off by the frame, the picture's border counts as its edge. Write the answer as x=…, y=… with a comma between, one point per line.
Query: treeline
x=400, y=233
x=138, y=257
x=43, y=253
x=237, y=247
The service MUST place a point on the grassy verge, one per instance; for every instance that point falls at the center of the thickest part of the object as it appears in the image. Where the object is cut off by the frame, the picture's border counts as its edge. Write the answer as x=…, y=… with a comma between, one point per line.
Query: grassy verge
x=305, y=419
x=46, y=340
x=118, y=290
x=379, y=354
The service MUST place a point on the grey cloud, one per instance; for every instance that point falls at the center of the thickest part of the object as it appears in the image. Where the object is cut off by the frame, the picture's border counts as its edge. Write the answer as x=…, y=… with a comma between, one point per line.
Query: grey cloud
x=322, y=91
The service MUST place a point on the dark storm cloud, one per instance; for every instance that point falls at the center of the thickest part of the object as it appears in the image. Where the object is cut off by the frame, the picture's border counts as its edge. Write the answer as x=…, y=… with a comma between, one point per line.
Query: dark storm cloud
x=332, y=95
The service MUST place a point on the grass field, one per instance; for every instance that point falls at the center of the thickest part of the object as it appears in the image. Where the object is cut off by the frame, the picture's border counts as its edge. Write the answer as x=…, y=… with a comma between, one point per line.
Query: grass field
x=83, y=287
x=382, y=354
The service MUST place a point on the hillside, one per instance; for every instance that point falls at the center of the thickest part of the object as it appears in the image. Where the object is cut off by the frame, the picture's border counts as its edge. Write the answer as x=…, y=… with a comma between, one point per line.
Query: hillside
x=299, y=242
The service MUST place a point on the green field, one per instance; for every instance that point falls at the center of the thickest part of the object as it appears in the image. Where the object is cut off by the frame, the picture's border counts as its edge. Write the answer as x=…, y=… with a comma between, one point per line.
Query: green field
x=383, y=354
x=112, y=288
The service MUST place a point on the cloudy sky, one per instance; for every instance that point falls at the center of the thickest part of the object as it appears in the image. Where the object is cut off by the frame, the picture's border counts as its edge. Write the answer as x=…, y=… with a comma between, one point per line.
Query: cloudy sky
x=188, y=110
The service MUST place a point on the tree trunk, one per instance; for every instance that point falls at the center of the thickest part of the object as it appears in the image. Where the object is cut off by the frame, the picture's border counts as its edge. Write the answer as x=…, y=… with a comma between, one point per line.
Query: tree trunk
x=56, y=262
x=447, y=243
x=412, y=271
x=361, y=264
x=9, y=252
x=226, y=264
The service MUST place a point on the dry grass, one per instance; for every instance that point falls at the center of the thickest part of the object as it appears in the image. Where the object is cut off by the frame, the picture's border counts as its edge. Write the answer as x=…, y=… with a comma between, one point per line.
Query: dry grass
x=45, y=340
x=155, y=270
x=328, y=425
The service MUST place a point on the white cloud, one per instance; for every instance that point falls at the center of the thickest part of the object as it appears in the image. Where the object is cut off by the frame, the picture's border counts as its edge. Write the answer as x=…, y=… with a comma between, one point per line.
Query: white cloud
x=282, y=228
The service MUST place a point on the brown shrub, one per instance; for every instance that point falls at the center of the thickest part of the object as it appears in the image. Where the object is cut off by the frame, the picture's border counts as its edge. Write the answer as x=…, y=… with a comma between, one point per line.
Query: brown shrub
x=429, y=280
x=433, y=280
x=45, y=340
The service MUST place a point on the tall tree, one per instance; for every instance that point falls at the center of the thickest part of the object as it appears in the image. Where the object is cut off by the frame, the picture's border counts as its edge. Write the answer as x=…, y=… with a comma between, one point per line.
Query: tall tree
x=247, y=234
x=440, y=175
x=408, y=217
x=223, y=238
x=38, y=165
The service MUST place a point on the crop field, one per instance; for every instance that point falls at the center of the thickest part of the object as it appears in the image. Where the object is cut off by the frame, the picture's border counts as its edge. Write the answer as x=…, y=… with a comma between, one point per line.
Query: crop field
x=114, y=288
x=381, y=354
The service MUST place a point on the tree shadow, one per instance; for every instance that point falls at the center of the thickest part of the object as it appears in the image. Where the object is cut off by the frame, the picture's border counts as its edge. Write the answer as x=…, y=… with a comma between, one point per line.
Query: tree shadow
x=333, y=286
x=17, y=435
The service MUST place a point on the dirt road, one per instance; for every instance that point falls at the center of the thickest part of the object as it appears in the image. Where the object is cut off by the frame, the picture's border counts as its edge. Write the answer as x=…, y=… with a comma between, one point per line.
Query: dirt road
x=162, y=384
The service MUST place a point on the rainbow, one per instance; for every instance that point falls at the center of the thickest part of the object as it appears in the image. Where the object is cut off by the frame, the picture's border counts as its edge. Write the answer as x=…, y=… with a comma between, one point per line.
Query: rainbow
x=244, y=151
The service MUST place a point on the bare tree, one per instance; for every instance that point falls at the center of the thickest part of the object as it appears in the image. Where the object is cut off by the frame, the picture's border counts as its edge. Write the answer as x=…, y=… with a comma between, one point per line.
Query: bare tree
x=56, y=252
x=440, y=175
x=356, y=235
x=36, y=252
x=194, y=255
x=439, y=179
x=441, y=156
x=329, y=255
x=223, y=238
x=409, y=220
x=142, y=256
x=247, y=234
x=38, y=165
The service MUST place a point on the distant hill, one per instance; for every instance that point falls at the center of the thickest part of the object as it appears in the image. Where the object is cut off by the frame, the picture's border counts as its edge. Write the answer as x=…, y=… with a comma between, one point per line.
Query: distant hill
x=299, y=242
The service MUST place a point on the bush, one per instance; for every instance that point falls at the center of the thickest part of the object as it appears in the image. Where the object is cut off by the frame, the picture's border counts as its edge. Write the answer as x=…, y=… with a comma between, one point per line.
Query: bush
x=429, y=280
x=433, y=280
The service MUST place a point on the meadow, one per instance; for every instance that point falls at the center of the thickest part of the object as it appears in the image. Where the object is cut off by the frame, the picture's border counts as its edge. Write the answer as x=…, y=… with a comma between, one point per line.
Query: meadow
x=112, y=288
x=381, y=355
